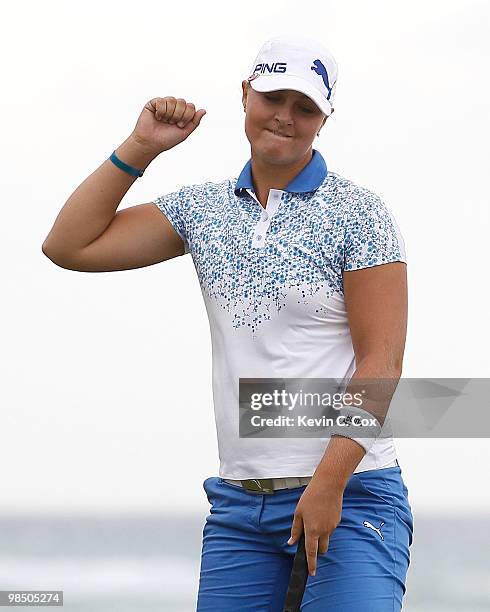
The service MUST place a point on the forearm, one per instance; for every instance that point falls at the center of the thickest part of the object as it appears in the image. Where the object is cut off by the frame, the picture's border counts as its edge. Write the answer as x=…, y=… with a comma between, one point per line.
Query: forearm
x=339, y=461
x=92, y=206
x=343, y=454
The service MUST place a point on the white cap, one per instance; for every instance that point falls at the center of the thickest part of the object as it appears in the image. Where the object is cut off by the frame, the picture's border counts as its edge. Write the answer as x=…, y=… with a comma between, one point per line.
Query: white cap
x=298, y=63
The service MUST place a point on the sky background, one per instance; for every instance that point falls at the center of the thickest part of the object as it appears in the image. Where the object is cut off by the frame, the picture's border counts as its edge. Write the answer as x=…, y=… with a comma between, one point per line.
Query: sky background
x=106, y=399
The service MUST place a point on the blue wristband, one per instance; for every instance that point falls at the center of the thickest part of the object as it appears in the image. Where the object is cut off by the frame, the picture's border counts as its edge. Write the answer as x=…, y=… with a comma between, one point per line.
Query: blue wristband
x=120, y=164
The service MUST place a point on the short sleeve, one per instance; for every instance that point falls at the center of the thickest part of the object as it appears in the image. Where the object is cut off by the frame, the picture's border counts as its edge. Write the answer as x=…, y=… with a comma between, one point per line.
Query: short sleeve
x=372, y=235
x=172, y=206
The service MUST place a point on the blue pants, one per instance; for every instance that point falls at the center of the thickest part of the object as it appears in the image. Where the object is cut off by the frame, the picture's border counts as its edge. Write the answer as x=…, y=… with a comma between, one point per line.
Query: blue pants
x=246, y=562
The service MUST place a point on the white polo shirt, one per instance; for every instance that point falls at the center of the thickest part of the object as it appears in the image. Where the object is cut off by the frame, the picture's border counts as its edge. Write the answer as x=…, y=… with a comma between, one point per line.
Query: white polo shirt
x=272, y=285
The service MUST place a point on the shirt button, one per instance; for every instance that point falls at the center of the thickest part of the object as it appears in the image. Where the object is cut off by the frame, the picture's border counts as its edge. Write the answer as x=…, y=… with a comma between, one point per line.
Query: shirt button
x=265, y=216
x=259, y=237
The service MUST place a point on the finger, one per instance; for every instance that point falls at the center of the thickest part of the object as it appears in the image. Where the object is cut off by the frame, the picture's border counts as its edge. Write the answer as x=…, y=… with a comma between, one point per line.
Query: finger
x=189, y=112
x=311, y=547
x=166, y=108
x=323, y=544
x=160, y=105
x=179, y=110
x=296, y=529
x=196, y=119
x=157, y=107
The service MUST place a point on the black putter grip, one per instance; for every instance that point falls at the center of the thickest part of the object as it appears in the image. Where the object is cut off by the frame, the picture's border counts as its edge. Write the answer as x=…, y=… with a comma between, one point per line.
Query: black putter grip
x=297, y=581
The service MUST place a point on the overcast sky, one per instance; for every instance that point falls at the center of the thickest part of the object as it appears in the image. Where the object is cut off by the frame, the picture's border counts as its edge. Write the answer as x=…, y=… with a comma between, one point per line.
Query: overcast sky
x=106, y=392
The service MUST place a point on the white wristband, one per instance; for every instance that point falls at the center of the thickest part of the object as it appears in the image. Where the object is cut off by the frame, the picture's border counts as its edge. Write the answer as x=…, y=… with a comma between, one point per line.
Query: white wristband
x=352, y=422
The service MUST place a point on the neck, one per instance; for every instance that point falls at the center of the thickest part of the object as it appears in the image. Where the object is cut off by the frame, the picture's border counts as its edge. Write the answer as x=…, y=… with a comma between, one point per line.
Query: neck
x=268, y=176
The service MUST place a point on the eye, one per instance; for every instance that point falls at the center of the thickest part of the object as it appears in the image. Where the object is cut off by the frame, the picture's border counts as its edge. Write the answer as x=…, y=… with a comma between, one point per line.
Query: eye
x=276, y=98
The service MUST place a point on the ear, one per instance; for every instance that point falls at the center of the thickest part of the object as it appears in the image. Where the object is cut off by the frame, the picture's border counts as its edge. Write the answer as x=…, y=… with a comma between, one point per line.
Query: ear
x=245, y=86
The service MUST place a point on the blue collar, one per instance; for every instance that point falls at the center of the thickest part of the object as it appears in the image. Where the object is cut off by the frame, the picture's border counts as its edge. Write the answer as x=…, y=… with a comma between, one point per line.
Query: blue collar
x=309, y=179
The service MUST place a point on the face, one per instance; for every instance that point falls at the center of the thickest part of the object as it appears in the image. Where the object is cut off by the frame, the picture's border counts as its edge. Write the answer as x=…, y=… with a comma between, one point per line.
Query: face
x=280, y=125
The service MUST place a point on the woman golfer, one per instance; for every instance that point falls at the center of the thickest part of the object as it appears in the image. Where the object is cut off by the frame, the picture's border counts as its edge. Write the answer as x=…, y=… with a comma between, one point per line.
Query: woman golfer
x=303, y=274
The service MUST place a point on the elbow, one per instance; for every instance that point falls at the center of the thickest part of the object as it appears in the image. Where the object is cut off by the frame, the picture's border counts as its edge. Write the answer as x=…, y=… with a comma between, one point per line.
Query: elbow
x=396, y=365
x=49, y=253
x=46, y=251
x=381, y=366
x=394, y=368
x=55, y=258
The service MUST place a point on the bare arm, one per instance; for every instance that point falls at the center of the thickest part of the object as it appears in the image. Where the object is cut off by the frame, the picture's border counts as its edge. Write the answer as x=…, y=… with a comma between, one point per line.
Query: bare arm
x=376, y=299
x=89, y=235
x=376, y=302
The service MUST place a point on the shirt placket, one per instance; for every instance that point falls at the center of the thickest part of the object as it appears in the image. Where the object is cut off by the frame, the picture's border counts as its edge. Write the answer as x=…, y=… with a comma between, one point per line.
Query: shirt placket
x=262, y=226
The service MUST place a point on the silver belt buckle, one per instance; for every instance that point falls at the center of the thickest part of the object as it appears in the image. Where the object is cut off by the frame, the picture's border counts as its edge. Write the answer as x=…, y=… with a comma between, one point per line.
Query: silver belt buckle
x=258, y=485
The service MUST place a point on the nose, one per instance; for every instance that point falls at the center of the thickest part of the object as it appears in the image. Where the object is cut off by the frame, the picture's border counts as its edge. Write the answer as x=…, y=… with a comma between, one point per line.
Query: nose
x=284, y=113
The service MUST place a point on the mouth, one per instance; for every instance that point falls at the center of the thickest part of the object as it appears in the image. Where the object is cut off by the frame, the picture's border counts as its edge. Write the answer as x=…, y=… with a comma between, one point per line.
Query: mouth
x=278, y=134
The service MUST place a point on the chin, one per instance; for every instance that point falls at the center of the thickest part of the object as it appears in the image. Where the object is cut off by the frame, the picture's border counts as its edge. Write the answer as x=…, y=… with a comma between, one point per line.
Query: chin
x=272, y=154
